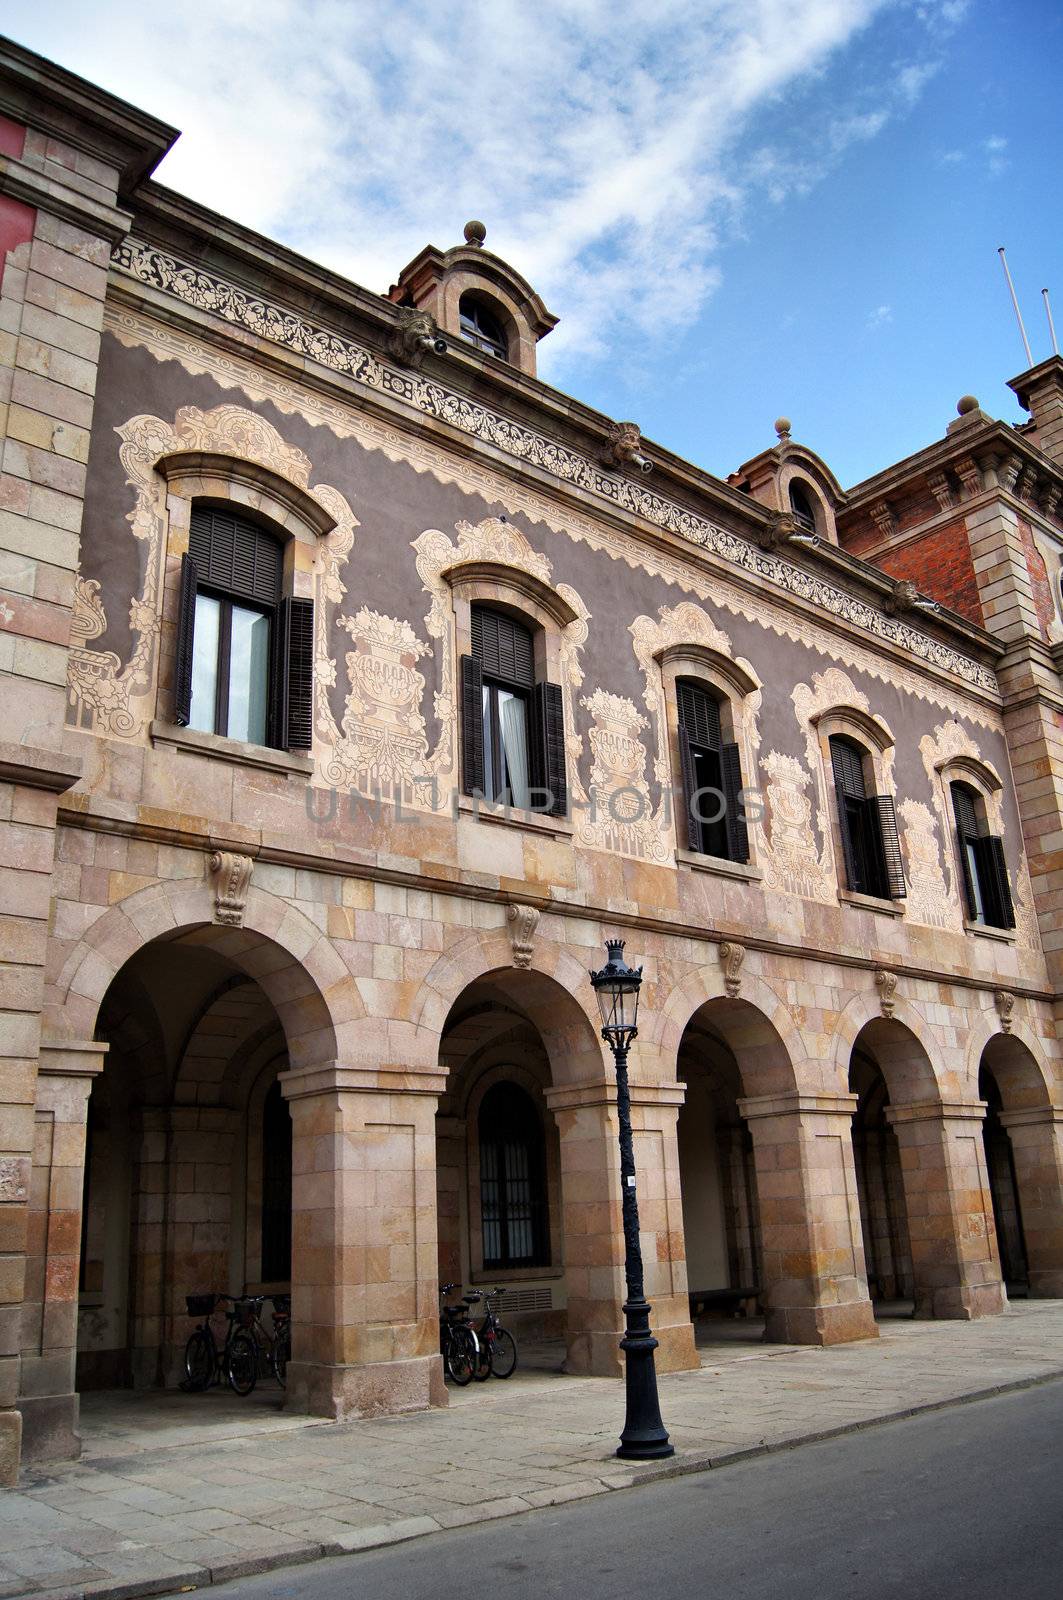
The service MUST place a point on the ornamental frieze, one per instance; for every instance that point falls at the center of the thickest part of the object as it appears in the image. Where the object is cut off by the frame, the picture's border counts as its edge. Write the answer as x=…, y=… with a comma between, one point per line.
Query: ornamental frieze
x=236, y=306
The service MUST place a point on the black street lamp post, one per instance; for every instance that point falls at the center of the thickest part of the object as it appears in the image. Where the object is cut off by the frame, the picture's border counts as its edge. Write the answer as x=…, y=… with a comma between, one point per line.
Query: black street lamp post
x=644, y=1437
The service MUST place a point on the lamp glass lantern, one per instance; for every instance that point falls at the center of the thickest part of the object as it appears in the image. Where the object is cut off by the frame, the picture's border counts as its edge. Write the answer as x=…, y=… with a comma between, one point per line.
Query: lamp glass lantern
x=617, y=987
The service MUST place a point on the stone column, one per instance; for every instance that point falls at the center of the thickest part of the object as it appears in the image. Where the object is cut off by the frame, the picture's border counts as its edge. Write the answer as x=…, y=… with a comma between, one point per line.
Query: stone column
x=48, y=1398
x=593, y=1233
x=365, y=1304
x=955, y=1263
x=815, y=1282
x=1037, y=1149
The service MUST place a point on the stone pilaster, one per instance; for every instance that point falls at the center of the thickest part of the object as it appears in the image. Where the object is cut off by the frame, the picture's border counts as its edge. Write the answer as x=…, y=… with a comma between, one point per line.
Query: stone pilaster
x=955, y=1261
x=48, y=1398
x=1036, y=1138
x=815, y=1282
x=593, y=1226
x=365, y=1303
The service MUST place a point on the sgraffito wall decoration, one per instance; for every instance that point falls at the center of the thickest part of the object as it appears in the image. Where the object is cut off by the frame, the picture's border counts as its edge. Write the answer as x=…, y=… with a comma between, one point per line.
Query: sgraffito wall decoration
x=114, y=697
x=944, y=754
x=928, y=895
x=496, y=541
x=621, y=817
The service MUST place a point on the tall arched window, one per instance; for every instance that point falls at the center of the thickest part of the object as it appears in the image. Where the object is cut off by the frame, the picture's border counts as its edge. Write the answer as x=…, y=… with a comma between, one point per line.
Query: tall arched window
x=244, y=650
x=276, y=1187
x=801, y=506
x=513, y=727
x=712, y=777
x=868, y=826
x=481, y=327
x=982, y=863
x=513, y=1206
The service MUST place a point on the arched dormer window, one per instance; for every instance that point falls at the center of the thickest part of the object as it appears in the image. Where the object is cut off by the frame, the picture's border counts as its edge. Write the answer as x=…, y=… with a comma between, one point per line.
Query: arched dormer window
x=513, y=725
x=801, y=506
x=867, y=825
x=244, y=665
x=480, y=327
x=712, y=776
x=513, y=1207
x=982, y=863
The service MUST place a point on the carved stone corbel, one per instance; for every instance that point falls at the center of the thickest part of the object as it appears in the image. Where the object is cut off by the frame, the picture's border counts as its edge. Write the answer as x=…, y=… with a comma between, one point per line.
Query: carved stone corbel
x=886, y=984
x=1050, y=493
x=1004, y=1001
x=970, y=475
x=731, y=959
x=941, y=489
x=1009, y=471
x=416, y=334
x=623, y=448
x=882, y=516
x=231, y=876
x=523, y=921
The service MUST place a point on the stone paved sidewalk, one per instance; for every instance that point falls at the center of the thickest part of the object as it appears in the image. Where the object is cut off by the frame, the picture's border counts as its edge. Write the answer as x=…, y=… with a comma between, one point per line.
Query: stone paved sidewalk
x=217, y=1506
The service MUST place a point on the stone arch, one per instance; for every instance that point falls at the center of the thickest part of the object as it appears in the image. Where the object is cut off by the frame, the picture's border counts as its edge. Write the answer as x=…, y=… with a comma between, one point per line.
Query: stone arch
x=757, y=1028
x=549, y=993
x=1017, y=1060
x=866, y=1009
x=312, y=990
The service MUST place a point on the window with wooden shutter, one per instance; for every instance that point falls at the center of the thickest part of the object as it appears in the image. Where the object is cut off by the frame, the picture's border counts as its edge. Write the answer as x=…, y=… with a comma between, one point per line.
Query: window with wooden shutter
x=711, y=776
x=867, y=825
x=513, y=729
x=892, y=861
x=982, y=862
x=244, y=657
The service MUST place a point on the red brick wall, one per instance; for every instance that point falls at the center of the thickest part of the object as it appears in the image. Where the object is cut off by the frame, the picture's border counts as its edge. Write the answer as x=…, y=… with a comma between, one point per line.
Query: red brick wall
x=1039, y=580
x=939, y=565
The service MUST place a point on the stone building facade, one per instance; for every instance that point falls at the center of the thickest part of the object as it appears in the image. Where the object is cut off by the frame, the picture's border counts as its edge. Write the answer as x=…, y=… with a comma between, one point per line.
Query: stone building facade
x=289, y=571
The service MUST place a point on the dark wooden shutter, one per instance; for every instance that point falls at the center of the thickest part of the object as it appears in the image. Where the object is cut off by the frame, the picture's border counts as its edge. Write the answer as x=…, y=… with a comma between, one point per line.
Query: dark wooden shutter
x=884, y=818
x=966, y=833
x=548, y=747
x=297, y=675
x=472, y=726
x=186, y=627
x=503, y=648
x=236, y=556
x=699, y=713
x=841, y=756
x=735, y=816
x=1000, y=912
x=688, y=817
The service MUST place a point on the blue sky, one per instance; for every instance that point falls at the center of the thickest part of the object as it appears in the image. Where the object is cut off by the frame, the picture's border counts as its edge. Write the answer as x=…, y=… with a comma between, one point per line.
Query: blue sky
x=738, y=209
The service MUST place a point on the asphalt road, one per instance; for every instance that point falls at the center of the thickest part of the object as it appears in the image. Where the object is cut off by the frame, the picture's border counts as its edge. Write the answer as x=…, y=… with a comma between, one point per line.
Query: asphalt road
x=961, y=1504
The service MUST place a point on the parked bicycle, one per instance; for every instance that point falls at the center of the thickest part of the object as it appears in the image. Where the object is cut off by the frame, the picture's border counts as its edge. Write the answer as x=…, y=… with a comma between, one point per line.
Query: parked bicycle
x=205, y=1362
x=458, y=1343
x=498, y=1348
x=253, y=1346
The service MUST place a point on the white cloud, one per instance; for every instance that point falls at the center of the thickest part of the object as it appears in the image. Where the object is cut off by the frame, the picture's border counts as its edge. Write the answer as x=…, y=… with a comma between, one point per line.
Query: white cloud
x=879, y=318
x=601, y=145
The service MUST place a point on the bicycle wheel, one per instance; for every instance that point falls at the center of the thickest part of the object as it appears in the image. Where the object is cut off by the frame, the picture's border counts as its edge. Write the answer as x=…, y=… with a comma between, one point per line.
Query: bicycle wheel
x=199, y=1362
x=483, y=1359
x=242, y=1364
x=503, y=1354
x=279, y=1354
x=461, y=1356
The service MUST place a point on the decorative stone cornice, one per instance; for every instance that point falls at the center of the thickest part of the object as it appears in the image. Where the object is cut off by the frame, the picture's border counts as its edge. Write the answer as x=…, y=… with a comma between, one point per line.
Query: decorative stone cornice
x=242, y=309
x=231, y=876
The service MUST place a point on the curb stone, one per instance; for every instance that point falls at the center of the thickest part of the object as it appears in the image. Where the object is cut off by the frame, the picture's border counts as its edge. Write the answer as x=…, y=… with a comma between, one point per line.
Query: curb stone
x=402, y=1531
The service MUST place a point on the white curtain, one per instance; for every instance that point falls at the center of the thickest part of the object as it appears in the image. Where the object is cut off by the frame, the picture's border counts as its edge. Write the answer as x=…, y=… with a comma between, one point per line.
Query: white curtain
x=514, y=720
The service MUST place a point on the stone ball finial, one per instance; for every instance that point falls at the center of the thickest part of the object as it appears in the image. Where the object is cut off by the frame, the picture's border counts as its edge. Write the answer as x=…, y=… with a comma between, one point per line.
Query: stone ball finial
x=475, y=233
x=965, y=404
x=782, y=427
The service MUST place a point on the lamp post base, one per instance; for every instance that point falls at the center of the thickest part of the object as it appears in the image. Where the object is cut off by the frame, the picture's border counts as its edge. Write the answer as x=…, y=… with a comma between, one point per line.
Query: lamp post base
x=645, y=1437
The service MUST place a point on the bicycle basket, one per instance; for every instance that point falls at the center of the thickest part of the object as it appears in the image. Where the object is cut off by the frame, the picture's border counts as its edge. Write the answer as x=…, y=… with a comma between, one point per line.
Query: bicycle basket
x=201, y=1305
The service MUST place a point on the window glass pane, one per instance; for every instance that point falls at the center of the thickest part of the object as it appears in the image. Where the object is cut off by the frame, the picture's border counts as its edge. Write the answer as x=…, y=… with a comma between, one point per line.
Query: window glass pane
x=248, y=676
x=513, y=716
x=971, y=852
x=205, y=663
